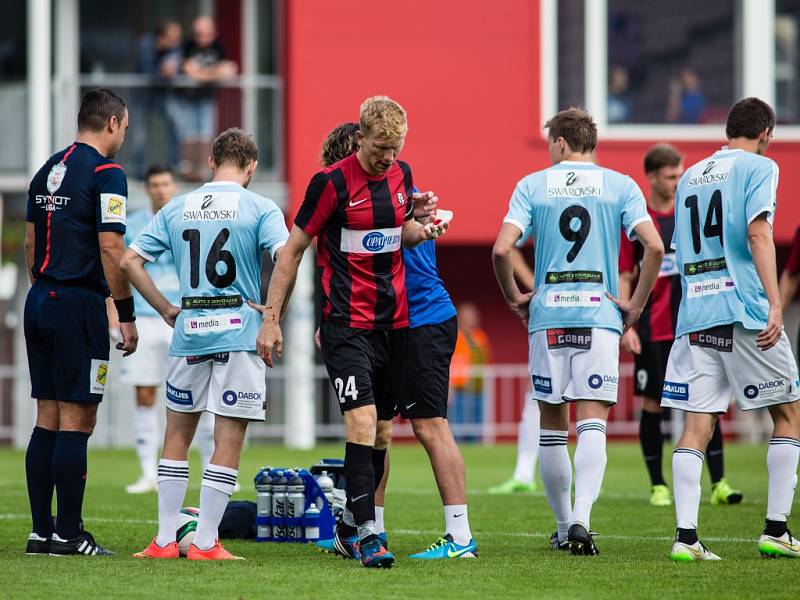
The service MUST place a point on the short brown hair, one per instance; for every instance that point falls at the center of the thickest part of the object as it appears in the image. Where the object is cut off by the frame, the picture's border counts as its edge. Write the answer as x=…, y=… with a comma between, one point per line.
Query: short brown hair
x=381, y=117
x=340, y=143
x=97, y=107
x=234, y=146
x=577, y=128
x=661, y=155
x=748, y=118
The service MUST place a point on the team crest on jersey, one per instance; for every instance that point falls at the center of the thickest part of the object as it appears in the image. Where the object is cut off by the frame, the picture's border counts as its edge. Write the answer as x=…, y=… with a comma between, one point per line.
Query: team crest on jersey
x=400, y=198
x=55, y=177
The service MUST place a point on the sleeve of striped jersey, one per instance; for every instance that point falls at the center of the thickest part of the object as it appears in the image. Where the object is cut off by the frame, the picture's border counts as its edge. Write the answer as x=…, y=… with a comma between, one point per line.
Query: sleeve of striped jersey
x=760, y=195
x=519, y=209
x=627, y=252
x=318, y=205
x=272, y=232
x=793, y=264
x=111, y=199
x=410, y=188
x=634, y=209
x=153, y=240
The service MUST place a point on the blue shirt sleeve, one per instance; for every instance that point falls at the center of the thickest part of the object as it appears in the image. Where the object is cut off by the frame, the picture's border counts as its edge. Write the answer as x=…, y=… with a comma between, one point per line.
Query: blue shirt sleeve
x=519, y=208
x=760, y=196
x=634, y=209
x=111, y=199
x=154, y=239
x=272, y=232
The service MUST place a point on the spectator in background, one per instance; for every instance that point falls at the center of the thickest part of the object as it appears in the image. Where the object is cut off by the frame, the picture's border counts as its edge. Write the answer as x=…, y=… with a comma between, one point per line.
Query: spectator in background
x=472, y=350
x=158, y=56
x=619, y=102
x=204, y=64
x=687, y=103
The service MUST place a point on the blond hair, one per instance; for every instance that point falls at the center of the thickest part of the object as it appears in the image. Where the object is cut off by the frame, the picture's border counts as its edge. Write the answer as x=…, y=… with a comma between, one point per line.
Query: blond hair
x=381, y=117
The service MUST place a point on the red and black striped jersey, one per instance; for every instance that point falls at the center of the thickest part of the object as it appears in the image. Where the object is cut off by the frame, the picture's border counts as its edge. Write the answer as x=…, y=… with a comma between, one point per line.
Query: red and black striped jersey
x=76, y=194
x=359, y=221
x=660, y=314
x=793, y=262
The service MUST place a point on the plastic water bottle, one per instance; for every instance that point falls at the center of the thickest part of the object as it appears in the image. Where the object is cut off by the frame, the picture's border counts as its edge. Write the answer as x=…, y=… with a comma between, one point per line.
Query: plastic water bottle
x=263, y=484
x=312, y=523
x=279, y=482
x=325, y=483
x=295, y=503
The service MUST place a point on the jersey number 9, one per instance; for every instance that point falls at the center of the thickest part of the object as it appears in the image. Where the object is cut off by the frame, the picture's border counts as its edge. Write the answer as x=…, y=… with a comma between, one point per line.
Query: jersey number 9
x=215, y=255
x=578, y=237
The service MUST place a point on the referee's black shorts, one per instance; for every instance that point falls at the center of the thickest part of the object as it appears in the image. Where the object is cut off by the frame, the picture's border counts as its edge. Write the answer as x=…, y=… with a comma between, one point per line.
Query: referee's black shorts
x=427, y=380
x=365, y=366
x=66, y=335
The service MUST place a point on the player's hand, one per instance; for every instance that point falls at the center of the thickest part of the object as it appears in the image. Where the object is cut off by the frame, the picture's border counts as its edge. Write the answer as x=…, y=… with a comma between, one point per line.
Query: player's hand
x=317, y=339
x=130, y=338
x=519, y=306
x=269, y=337
x=772, y=332
x=630, y=341
x=432, y=231
x=630, y=311
x=171, y=315
x=424, y=204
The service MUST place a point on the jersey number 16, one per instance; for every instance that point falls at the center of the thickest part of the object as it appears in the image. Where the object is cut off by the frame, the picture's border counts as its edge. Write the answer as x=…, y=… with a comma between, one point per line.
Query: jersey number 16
x=215, y=255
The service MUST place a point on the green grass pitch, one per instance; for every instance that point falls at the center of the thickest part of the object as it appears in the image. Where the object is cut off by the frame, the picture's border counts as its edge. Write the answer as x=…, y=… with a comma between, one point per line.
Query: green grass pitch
x=512, y=535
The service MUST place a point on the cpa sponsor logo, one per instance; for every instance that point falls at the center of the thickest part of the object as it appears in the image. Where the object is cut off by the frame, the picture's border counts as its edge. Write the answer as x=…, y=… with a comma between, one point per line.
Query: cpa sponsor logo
x=675, y=391
x=51, y=203
x=178, y=396
x=376, y=241
x=229, y=397
x=765, y=388
x=541, y=384
x=55, y=177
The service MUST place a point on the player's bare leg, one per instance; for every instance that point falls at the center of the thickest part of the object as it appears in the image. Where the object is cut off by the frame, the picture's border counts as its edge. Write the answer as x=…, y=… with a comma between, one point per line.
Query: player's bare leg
x=39, y=475
x=145, y=430
x=555, y=466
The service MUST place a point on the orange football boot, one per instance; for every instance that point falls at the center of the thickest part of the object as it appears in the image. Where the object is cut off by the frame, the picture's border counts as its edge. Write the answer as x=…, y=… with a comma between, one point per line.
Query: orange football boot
x=216, y=552
x=156, y=551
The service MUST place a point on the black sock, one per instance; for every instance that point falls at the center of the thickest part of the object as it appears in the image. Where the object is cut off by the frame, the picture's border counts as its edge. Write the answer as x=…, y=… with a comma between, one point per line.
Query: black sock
x=775, y=528
x=686, y=536
x=360, y=476
x=652, y=441
x=379, y=464
x=69, y=476
x=39, y=473
x=714, y=456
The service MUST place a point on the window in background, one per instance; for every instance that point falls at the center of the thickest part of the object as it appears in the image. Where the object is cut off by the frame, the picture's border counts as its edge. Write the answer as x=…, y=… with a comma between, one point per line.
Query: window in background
x=13, y=91
x=571, y=84
x=671, y=62
x=787, y=61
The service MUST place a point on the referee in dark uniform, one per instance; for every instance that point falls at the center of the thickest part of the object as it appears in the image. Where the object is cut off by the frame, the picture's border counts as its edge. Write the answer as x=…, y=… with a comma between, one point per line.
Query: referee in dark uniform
x=73, y=246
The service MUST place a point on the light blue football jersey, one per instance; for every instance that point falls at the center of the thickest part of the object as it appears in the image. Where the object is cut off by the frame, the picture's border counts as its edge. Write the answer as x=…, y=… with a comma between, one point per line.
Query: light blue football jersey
x=163, y=271
x=217, y=234
x=716, y=200
x=575, y=212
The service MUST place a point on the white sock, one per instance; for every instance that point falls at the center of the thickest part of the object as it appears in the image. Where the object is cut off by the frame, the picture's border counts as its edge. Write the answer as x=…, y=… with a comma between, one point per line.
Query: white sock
x=215, y=491
x=145, y=431
x=556, y=473
x=379, y=527
x=205, y=438
x=173, y=479
x=590, y=467
x=782, y=458
x=527, y=441
x=687, y=467
x=456, y=523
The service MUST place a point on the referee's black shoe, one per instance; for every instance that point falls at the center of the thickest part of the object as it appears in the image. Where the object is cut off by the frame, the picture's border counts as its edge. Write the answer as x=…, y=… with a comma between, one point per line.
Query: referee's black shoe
x=37, y=545
x=82, y=544
x=580, y=541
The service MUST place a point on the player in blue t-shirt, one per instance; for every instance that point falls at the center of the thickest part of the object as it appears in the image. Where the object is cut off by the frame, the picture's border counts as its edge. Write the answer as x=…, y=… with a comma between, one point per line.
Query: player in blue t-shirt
x=729, y=338
x=422, y=396
x=217, y=235
x=575, y=210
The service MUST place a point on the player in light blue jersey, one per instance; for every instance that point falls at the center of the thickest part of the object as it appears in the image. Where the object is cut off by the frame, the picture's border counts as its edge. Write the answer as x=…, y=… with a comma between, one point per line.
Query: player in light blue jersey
x=575, y=210
x=147, y=370
x=217, y=235
x=730, y=339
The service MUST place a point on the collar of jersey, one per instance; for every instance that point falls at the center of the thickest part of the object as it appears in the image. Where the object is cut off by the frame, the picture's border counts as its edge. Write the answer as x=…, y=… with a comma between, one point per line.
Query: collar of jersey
x=577, y=162
x=221, y=182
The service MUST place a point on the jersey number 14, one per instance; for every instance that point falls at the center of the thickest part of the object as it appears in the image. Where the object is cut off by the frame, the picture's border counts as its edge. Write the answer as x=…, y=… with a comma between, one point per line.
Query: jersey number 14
x=713, y=223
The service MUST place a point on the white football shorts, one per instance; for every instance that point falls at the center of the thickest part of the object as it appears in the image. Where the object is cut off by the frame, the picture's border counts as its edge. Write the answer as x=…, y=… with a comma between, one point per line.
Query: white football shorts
x=147, y=367
x=574, y=364
x=706, y=368
x=229, y=384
